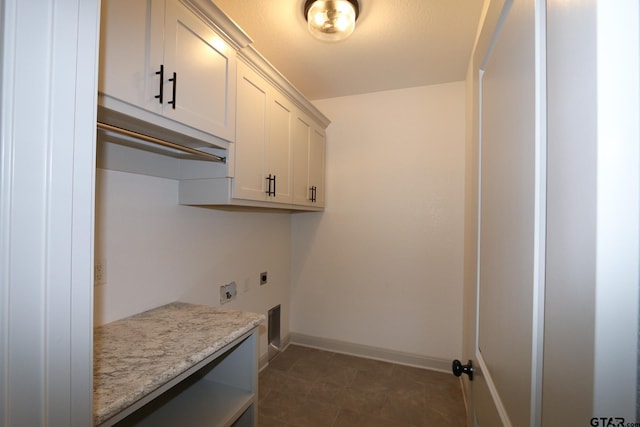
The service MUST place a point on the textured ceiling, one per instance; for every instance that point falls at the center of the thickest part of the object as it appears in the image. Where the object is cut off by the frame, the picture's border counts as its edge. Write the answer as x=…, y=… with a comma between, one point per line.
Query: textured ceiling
x=396, y=44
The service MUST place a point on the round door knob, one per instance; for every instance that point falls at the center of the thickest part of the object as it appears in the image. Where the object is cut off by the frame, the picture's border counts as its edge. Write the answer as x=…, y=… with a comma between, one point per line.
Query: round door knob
x=458, y=369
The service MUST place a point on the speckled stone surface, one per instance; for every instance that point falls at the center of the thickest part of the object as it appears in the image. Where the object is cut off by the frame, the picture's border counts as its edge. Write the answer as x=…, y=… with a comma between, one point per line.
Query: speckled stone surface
x=136, y=355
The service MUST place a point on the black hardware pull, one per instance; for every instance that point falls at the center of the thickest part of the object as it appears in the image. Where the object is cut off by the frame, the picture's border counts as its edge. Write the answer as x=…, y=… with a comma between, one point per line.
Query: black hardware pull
x=175, y=83
x=269, y=179
x=159, y=96
x=459, y=369
x=274, y=186
x=313, y=193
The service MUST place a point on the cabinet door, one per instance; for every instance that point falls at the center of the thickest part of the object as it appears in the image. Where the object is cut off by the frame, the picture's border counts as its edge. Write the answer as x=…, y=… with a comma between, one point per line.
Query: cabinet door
x=301, y=137
x=131, y=51
x=317, y=146
x=205, y=70
x=250, y=146
x=308, y=162
x=280, y=123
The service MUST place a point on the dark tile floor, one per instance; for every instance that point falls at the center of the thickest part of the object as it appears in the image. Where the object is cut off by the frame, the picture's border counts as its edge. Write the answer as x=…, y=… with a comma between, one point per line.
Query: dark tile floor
x=304, y=387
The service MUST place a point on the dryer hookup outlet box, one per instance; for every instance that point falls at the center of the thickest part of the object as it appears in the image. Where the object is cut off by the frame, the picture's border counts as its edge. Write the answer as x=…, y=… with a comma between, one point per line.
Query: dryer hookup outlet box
x=228, y=292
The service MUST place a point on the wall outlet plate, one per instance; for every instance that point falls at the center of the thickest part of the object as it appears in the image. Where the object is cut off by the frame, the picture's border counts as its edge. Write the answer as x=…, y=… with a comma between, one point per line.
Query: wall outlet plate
x=228, y=292
x=99, y=273
x=263, y=278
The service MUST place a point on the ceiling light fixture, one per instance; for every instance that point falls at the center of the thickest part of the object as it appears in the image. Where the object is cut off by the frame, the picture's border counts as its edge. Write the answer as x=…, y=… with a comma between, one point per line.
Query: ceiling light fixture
x=331, y=20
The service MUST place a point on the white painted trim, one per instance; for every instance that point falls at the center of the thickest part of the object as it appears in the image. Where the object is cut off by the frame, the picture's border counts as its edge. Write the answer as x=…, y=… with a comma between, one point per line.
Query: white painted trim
x=540, y=215
x=369, y=352
x=208, y=11
x=7, y=75
x=47, y=156
x=618, y=209
x=479, y=214
x=495, y=396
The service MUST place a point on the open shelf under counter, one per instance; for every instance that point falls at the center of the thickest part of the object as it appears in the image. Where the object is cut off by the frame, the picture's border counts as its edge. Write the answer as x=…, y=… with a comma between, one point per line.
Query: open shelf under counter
x=179, y=364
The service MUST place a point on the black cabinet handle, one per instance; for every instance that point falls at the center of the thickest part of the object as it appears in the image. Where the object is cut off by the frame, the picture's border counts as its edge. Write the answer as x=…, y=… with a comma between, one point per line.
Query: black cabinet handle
x=175, y=83
x=159, y=96
x=271, y=179
x=313, y=193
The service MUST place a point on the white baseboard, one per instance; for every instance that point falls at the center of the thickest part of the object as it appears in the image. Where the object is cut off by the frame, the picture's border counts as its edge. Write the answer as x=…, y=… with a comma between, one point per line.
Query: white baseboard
x=409, y=359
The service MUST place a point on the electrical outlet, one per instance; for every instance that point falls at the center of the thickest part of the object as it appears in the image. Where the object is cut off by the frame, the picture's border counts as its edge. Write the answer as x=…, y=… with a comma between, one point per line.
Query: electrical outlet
x=263, y=278
x=99, y=273
x=228, y=292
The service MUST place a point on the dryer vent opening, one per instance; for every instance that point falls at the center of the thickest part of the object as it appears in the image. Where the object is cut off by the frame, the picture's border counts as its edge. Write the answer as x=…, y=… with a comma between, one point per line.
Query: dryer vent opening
x=273, y=334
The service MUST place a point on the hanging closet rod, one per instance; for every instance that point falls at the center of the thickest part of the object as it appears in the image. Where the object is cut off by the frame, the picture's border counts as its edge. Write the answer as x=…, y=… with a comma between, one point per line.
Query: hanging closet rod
x=211, y=157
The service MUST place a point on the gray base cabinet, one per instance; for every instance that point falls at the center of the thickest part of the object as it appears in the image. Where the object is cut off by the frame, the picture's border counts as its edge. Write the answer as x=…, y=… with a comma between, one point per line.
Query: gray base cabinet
x=221, y=393
x=177, y=365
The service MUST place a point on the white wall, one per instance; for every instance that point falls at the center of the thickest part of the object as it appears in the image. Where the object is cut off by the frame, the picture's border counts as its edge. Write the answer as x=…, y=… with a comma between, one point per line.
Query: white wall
x=156, y=251
x=383, y=265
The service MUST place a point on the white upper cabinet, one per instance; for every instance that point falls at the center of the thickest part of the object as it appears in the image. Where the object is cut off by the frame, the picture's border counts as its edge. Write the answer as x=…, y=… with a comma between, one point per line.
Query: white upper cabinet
x=205, y=68
x=184, y=74
x=127, y=74
x=280, y=121
x=316, y=184
x=308, y=162
x=249, y=182
x=277, y=160
x=159, y=57
x=263, y=145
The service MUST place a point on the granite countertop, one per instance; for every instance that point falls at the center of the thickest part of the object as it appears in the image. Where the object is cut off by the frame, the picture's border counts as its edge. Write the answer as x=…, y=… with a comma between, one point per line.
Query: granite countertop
x=136, y=355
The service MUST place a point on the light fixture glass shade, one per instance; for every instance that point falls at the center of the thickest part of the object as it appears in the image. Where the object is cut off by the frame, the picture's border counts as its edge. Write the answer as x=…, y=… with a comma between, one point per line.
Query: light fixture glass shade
x=332, y=20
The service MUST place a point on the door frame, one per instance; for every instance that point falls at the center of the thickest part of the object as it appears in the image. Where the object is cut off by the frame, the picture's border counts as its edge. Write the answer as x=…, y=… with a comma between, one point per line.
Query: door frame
x=618, y=211
x=48, y=82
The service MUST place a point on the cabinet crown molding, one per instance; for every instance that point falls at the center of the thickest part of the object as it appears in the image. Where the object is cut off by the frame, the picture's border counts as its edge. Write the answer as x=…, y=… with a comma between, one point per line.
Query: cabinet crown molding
x=261, y=65
x=216, y=17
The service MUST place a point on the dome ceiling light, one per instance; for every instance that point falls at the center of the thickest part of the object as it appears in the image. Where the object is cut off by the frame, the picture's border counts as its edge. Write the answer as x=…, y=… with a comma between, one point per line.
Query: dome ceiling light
x=331, y=20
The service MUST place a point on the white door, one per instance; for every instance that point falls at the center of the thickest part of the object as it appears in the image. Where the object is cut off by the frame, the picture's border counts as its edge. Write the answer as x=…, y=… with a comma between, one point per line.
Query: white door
x=510, y=217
